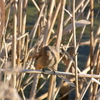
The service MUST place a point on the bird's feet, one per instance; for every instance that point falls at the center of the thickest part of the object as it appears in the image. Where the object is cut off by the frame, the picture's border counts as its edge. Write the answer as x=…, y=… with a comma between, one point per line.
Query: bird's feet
x=43, y=71
x=54, y=71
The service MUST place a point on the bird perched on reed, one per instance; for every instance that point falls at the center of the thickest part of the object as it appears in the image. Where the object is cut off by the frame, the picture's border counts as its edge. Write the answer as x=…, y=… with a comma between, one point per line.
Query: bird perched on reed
x=47, y=58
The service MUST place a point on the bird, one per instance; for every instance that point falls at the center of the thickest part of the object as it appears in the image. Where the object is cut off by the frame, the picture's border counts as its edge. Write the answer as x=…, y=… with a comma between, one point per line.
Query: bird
x=47, y=58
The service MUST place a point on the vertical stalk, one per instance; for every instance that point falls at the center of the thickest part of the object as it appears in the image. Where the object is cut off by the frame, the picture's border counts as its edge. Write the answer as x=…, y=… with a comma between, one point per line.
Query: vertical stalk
x=60, y=29
x=19, y=31
x=34, y=87
x=91, y=43
x=52, y=83
x=36, y=76
x=2, y=20
x=77, y=7
x=51, y=87
x=34, y=30
x=95, y=88
x=53, y=22
x=39, y=28
x=24, y=19
x=75, y=52
x=52, y=4
x=91, y=32
x=14, y=42
x=42, y=21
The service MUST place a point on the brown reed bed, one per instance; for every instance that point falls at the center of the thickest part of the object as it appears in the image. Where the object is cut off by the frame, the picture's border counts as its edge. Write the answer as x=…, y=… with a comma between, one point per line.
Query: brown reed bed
x=56, y=29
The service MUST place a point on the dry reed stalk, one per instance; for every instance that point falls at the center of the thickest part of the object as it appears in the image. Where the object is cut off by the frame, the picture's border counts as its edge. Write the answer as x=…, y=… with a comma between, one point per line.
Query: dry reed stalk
x=14, y=42
x=69, y=65
x=46, y=94
x=69, y=6
x=24, y=87
x=58, y=88
x=60, y=29
x=19, y=38
x=95, y=87
x=40, y=3
x=61, y=84
x=84, y=43
x=50, y=72
x=61, y=98
x=36, y=5
x=86, y=70
x=60, y=26
x=21, y=77
x=6, y=56
x=19, y=44
x=9, y=3
x=68, y=12
x=59, y=38
x=53, y=22
x=95, y=42
x=75, y=52
x=26, y=51
x=33, y=32
x=84, y=90
x=42, y=97
x=81, y=11
x=36, y=76
x=78, y=6
x=52, y=83
x=50, y=14
x=23, y=94
x=78, y=44
x=42, y=22
x=80, y=3
x=43, y=84
x=24, y=15
x=27, y=80
x=2, y=21
x=73, y=79
x=34, y=87
x=79, y=23
x=24, y=62
x=82, y=32
x=96, y=57
x=89, y=75
x=7, y=19
x=48, y=29
x=70, y=39
x=91, y=32
x=98, y=32
x=66, y=61
x=91, y=44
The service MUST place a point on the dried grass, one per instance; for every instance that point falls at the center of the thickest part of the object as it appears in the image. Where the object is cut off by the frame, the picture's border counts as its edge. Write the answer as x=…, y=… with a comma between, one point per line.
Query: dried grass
x=55, y=26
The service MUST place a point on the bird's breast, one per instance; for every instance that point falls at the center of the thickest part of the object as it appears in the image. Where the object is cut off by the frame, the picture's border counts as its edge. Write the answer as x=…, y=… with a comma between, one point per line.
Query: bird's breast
x=45, y=62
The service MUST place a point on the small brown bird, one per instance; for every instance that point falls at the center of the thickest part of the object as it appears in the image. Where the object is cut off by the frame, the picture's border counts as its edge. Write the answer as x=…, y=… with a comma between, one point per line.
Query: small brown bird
x=48, y=57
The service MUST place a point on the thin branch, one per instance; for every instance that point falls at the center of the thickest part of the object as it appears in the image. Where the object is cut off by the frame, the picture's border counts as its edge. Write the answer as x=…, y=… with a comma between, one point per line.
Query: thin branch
x=14, y=71
x=75, y=52
x=14, y=41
